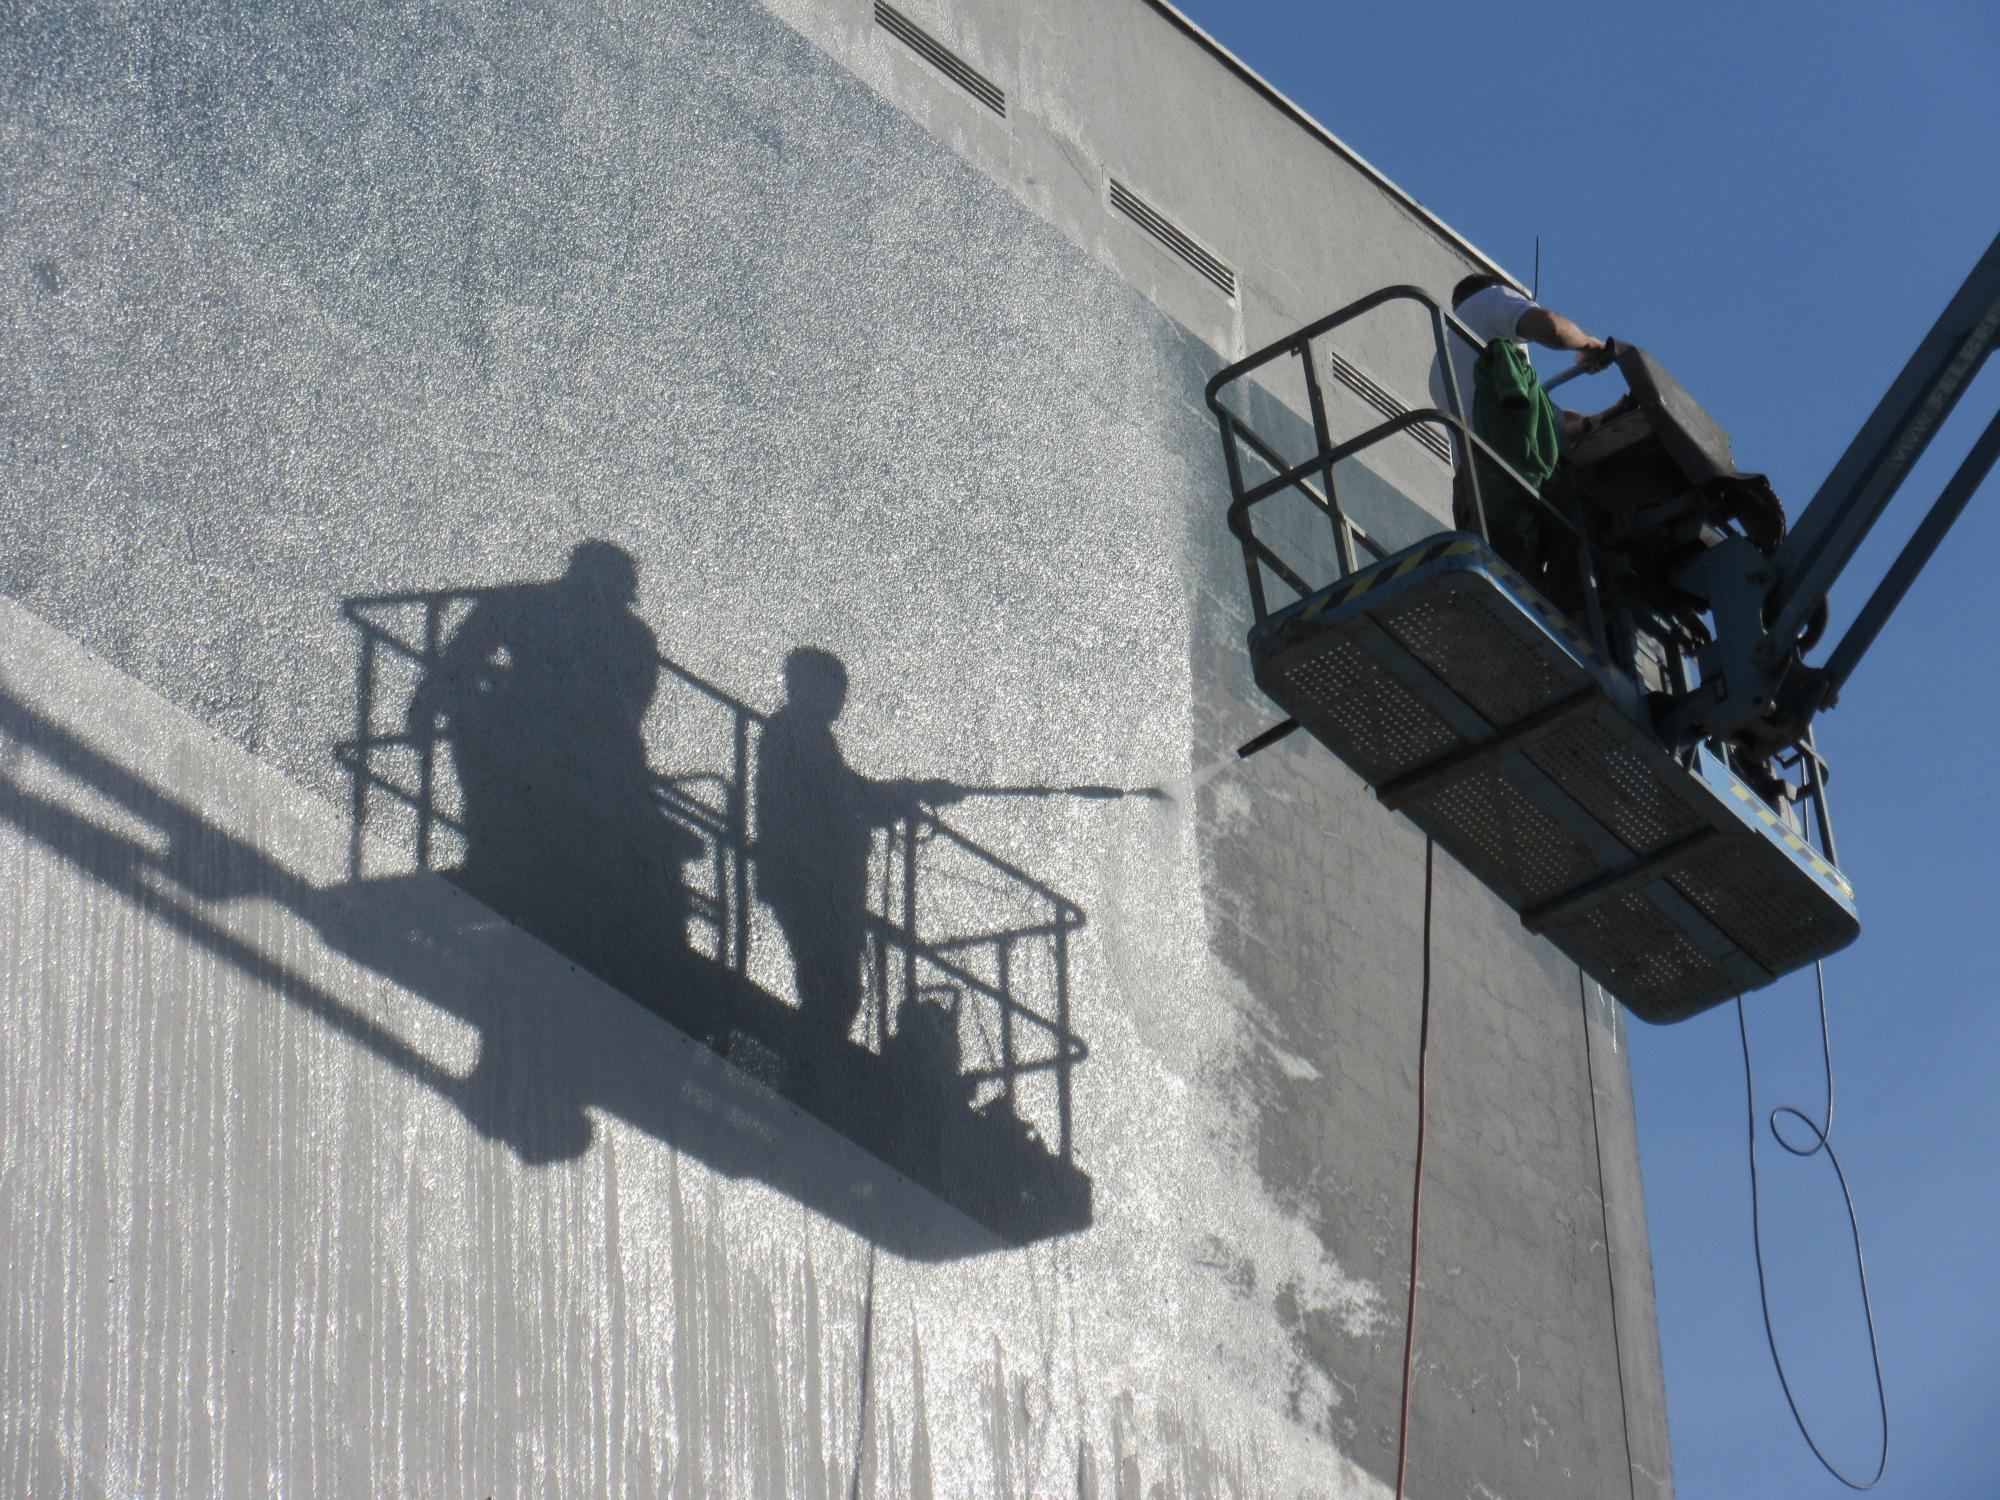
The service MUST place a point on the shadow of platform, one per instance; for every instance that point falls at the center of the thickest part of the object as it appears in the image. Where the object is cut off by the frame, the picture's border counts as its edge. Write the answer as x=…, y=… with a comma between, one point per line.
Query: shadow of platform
x=504, y=739
x=552, y=1046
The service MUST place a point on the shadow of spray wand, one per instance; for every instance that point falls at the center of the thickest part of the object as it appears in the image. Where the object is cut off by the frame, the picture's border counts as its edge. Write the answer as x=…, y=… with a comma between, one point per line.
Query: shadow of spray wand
x=1089, y=792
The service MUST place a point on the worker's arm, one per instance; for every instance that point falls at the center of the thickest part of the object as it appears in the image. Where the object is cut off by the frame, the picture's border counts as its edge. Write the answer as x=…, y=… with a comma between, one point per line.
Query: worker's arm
x=1553, y=331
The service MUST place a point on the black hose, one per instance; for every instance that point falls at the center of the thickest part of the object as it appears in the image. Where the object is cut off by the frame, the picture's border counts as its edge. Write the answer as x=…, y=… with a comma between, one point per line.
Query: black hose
x=1820, y=1142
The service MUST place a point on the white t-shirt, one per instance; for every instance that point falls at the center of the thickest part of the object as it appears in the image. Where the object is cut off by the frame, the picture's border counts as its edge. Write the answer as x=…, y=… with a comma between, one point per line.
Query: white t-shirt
x=1493, y=312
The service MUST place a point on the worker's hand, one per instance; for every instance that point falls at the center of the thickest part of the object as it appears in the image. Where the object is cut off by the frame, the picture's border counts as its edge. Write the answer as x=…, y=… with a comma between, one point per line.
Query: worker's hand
x=1590, y=351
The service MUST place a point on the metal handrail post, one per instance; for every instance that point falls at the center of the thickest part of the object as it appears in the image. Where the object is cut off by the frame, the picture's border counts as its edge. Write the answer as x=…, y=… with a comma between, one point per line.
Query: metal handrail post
x=1343, y=547
x=1822, y=810
x=1259, y=609
x=1461, y=447
x=1593, y=605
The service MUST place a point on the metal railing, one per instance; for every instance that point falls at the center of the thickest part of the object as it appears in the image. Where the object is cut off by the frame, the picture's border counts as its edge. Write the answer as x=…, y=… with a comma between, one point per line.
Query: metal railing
x=1314, y=478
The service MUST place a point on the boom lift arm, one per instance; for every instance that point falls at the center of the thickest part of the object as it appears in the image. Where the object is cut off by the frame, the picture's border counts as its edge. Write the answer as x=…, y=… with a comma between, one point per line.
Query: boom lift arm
x=1776, y=698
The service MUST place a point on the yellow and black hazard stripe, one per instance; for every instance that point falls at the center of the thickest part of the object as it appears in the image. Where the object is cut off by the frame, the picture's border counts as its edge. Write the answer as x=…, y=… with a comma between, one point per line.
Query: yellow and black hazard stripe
x=1553, y=620
x=1387, y=571
x=1791, y=840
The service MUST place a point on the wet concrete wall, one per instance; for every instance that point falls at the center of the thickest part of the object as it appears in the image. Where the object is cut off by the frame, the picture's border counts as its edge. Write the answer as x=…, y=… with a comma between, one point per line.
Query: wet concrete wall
x=624, y=870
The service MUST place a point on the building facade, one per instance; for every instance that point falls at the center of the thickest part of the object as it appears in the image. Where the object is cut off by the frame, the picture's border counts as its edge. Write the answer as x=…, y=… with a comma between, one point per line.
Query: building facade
x=625, y=868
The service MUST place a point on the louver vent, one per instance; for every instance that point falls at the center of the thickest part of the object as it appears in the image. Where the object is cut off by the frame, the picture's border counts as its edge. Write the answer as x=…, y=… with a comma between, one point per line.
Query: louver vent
x=941, y=57
x=1356, y=381
x=1163, y=229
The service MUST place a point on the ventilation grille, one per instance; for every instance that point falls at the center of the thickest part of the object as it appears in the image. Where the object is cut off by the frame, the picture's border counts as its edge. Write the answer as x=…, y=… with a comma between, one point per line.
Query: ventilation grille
x=1163, y=229
x=1357, y=381
x=941, y=57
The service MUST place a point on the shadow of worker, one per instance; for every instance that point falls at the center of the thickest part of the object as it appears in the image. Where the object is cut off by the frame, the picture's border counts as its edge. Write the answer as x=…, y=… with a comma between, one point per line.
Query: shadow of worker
x=541, y=695
x=816, y=823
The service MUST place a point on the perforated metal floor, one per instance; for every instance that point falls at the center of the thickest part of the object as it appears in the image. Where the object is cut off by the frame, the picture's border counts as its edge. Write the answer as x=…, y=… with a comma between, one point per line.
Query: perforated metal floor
x=1469, y=702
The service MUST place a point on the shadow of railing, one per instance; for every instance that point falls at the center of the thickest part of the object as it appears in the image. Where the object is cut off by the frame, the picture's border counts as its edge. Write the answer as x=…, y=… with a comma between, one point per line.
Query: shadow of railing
x=959, y=1072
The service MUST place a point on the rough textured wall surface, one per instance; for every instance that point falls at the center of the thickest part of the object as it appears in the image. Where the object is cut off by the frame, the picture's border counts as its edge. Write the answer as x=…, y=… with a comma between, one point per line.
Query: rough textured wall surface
x=624, y=869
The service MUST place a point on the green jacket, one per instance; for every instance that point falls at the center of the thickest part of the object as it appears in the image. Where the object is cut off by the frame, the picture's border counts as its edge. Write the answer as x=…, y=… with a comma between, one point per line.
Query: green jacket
x=1514, y=415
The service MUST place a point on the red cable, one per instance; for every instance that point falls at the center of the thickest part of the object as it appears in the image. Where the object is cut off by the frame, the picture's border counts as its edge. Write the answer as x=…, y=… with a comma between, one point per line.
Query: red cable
x=1417, y=1194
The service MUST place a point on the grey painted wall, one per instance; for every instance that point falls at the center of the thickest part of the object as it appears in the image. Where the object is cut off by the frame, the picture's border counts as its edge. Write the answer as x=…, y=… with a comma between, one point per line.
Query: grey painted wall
x=1120, y=89
x=1017, y=1096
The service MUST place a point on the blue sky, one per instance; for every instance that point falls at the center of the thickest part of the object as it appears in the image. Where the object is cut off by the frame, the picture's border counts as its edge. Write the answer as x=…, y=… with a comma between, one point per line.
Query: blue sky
x=1776, y=200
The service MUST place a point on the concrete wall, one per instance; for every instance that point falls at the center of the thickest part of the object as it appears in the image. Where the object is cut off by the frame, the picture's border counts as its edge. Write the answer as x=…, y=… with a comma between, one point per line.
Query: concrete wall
x=1134, y=91
x=485, y=1012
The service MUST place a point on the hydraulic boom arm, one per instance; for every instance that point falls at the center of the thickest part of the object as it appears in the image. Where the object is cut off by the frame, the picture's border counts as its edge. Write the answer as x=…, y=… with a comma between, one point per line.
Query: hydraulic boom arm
x=1865, y=480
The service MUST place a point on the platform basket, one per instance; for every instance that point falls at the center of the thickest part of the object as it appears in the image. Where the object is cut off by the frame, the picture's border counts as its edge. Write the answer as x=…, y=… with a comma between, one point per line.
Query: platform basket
x=1473, y=705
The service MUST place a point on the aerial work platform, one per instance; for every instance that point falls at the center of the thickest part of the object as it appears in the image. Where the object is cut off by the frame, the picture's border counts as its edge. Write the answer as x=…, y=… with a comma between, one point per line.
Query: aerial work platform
x=1473, y=705
x=1633, y=773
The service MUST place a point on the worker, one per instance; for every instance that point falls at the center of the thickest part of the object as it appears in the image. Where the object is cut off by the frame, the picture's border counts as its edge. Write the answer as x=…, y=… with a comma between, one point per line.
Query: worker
x=1498, y=391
